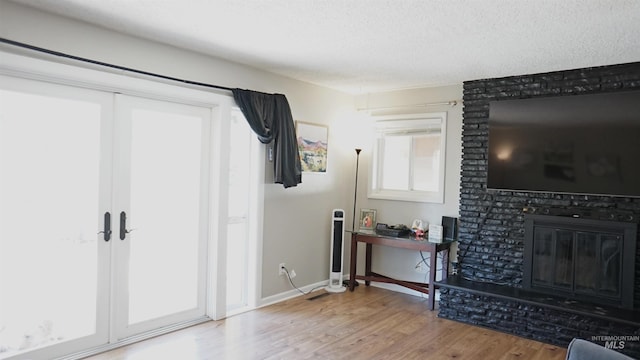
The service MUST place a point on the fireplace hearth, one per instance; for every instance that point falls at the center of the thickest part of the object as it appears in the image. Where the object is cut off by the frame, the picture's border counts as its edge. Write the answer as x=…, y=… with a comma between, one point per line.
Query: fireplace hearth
x=581, y=259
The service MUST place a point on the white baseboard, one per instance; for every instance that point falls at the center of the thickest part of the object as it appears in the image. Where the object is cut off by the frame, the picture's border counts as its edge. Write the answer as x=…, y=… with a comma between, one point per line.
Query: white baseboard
x=402, y=289
x=290, y=294
x=398, y=288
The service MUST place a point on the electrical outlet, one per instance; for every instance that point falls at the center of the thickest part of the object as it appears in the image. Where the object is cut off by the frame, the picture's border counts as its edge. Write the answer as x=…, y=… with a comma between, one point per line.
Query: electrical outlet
x=281, y=269
x=292, y=274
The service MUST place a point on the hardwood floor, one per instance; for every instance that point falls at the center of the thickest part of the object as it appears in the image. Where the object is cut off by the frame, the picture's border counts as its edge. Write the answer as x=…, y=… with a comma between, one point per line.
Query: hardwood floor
x=370, y=323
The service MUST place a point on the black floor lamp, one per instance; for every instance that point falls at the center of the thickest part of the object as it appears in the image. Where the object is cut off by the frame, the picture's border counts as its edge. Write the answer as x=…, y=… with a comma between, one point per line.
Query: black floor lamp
x=355, y=193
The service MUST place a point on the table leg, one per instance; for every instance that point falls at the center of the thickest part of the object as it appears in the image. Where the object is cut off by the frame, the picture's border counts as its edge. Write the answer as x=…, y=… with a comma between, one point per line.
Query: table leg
x=445, y=264
x=431, y=301
x=352, y=265
x=367, y=264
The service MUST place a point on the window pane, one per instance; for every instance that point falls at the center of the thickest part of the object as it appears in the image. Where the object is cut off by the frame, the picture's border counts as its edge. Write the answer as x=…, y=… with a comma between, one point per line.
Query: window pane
x=408, y=160
x=237, y=231
x=237, y=265
x=239, y=167
x=395, y=162
x=426, y=162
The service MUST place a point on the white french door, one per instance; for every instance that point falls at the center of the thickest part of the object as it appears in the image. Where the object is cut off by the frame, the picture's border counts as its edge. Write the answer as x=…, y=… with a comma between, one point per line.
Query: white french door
x=103, y=216
x=55, y=187
x=161, y=199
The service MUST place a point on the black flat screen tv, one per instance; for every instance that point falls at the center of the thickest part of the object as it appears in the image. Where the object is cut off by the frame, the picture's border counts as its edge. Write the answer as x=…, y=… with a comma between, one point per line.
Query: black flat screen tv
x=577, y=144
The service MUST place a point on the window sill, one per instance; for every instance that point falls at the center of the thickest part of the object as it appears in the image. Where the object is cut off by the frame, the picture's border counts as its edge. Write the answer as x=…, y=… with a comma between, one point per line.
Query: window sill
x=412, y=196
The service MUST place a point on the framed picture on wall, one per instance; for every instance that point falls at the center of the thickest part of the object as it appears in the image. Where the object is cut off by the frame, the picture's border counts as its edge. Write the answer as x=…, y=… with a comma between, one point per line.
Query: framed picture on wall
x=313, y=141
x=367, y=220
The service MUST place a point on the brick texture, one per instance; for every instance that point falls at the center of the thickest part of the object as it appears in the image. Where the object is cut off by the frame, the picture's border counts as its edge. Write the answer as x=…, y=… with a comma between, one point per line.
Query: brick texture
x=532, y=322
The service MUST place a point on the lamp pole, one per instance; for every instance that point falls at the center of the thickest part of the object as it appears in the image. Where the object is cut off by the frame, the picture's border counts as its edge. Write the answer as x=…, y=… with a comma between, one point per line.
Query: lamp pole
x=355, y=193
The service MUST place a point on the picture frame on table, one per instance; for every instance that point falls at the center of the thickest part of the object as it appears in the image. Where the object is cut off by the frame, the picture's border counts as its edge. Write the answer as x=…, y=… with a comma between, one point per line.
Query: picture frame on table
x=367, y=220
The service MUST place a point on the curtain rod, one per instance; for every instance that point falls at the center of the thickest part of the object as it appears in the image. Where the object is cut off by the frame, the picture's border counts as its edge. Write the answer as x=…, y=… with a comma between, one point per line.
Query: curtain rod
x=451, y=103
x=118, y=67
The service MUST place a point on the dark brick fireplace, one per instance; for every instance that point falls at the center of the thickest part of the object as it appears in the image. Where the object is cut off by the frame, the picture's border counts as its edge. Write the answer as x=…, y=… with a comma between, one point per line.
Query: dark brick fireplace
x=489, y=290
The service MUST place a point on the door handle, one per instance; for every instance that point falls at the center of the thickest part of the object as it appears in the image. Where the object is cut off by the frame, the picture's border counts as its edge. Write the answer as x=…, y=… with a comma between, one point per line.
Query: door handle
x=123, y=225
x=107, y=227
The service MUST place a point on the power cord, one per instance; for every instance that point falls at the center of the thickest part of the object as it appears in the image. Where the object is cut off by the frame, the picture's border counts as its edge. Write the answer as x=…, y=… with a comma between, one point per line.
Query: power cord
x=481, y=226
x=483, y=222
x=426, y=263
x=286, y=271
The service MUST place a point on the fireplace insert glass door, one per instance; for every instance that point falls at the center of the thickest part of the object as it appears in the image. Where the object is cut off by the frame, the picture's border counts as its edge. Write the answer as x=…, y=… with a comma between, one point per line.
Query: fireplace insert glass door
x=578, y=261
x=582, y=259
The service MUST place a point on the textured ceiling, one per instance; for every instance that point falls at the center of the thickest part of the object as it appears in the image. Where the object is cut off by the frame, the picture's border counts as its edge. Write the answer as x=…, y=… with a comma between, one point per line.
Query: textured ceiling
x=360, y=46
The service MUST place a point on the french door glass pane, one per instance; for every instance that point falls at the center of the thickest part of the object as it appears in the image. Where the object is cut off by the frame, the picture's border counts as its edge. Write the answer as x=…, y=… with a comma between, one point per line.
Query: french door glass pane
x=165, y=213
x=49, y=191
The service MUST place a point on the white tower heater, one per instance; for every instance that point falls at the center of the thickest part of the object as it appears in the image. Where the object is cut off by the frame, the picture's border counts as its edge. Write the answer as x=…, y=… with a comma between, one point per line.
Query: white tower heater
x=337, y=252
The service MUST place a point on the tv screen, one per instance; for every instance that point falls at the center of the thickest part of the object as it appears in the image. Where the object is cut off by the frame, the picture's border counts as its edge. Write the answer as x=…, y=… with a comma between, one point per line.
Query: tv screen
x=580, y=144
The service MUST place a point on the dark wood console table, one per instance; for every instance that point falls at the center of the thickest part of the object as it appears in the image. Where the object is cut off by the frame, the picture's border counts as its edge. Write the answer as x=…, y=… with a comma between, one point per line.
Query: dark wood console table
x=405, y=243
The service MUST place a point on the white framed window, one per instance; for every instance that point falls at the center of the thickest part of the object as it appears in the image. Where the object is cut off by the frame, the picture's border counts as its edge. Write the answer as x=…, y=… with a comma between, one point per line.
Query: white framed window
x=408, y=159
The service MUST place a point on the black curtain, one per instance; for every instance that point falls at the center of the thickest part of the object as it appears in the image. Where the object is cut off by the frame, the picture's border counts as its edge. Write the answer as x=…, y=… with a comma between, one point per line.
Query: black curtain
x=269, y=116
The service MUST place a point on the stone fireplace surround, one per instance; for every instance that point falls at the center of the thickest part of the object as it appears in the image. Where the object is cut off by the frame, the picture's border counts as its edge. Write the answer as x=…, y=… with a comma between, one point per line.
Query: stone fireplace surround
x=488, y=290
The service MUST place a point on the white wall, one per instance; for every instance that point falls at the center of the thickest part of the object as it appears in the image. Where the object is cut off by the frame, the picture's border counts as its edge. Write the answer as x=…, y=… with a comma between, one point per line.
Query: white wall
x=399, y=262
x=297, y=220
